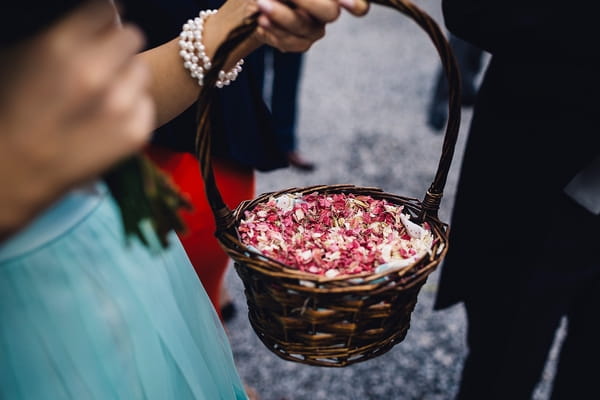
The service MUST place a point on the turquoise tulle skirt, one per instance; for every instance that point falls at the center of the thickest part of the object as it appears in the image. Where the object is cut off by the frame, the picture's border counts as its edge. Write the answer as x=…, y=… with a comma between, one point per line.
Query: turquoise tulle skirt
x=86, y=315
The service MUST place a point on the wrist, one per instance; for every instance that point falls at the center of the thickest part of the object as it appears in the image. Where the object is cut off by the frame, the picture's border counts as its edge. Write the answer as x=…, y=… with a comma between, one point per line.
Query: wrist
x=231, y=15
x=198, y=44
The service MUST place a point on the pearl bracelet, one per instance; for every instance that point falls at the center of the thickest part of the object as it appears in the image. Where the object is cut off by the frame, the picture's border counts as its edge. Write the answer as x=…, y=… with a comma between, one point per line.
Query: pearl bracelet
x=194, y=55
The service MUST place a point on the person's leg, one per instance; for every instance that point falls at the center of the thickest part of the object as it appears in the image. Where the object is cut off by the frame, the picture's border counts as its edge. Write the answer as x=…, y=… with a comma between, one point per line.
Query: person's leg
x=469, y=59
x=577, y=366
x=508, y=346
x=259, y=57
x=284, y=104
x=530, y=338
x=513, y=313
x=284, y=98
x=577, y=369
x=565, y=279
x=437, y=113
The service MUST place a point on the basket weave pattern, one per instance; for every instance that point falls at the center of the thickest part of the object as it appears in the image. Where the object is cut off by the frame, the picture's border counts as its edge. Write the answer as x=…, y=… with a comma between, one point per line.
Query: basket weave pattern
x=312, y=319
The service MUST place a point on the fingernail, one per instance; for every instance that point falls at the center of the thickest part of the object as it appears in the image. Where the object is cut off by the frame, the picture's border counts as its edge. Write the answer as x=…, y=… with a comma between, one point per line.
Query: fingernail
x=264, y=21
x=347, y=3
x=265, y=5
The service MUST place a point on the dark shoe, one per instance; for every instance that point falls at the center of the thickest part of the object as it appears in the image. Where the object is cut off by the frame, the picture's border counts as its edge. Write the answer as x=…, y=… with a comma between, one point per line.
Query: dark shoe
x=298, y=162
x=228, y=311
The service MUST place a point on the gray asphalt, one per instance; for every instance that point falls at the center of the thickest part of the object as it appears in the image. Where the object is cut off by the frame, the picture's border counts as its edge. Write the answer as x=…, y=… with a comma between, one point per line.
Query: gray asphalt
x=362, y=109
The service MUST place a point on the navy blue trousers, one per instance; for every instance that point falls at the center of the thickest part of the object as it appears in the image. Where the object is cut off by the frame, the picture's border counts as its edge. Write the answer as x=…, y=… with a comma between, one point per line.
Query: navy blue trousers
x=286, y=68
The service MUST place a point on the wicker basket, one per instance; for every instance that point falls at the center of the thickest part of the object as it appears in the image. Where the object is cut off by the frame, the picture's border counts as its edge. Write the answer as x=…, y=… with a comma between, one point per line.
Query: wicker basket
x=339, y=321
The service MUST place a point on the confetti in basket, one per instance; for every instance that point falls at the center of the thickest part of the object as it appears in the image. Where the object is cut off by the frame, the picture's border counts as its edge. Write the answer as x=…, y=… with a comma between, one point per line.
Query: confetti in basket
x=331, y=320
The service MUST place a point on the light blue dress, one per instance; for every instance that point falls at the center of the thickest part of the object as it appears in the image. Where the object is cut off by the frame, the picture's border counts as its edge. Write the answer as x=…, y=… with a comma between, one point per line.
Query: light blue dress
x=83, y=315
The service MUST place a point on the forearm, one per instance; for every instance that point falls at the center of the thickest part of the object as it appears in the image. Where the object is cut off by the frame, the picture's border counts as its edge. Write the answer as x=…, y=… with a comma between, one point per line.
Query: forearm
x=172, y=87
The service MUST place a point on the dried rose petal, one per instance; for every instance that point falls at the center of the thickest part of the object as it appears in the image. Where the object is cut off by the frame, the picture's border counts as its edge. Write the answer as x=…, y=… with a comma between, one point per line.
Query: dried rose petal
x=334, y=234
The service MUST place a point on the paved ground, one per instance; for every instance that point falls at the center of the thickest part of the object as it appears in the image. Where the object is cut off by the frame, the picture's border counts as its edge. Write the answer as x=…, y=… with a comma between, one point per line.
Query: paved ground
x=363, y=98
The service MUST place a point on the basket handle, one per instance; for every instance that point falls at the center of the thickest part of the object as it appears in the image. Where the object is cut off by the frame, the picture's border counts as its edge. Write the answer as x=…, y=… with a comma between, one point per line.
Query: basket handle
x=224, y=217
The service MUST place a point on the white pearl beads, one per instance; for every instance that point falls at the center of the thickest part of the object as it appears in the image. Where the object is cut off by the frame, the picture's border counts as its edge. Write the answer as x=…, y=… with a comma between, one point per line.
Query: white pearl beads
x=194, y=56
